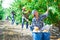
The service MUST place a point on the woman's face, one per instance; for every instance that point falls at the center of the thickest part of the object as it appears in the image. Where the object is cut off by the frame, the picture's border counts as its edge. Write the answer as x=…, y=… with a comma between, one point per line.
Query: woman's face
x=36, y=13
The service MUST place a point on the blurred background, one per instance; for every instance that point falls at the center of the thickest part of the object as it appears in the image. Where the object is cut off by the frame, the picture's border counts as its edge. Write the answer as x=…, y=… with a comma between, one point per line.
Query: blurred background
x=7, y=6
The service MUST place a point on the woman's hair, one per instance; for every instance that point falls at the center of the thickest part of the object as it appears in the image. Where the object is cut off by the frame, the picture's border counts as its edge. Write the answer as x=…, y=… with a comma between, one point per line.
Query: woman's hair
x=34, y=15
x=13, y=12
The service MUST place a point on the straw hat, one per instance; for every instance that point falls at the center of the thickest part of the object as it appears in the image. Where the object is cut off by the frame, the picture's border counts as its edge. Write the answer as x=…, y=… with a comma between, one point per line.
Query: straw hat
x=23, y=8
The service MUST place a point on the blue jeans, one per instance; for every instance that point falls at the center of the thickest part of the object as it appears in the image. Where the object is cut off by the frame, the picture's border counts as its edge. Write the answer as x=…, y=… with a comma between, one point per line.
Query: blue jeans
x=13, y=20
x=31, y=28
x=23, y=19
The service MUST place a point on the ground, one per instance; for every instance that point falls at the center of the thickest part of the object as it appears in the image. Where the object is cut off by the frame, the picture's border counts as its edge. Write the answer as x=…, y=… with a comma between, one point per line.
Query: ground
x=14, y=32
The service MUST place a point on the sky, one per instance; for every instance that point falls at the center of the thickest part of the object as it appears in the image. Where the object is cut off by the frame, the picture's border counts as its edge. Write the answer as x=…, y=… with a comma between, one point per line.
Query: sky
x=6, y=3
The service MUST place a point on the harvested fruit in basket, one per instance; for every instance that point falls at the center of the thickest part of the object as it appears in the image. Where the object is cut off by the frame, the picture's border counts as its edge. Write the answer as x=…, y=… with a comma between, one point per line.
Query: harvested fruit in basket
x=36, y=29
x=45, y=30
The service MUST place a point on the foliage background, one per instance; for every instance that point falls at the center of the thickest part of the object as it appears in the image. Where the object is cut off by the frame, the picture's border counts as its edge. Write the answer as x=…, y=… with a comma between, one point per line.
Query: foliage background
x=39, y=5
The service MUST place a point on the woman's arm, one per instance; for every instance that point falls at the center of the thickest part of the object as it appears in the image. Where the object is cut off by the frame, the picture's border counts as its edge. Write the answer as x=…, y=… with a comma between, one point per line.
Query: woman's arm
x=43, y=16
